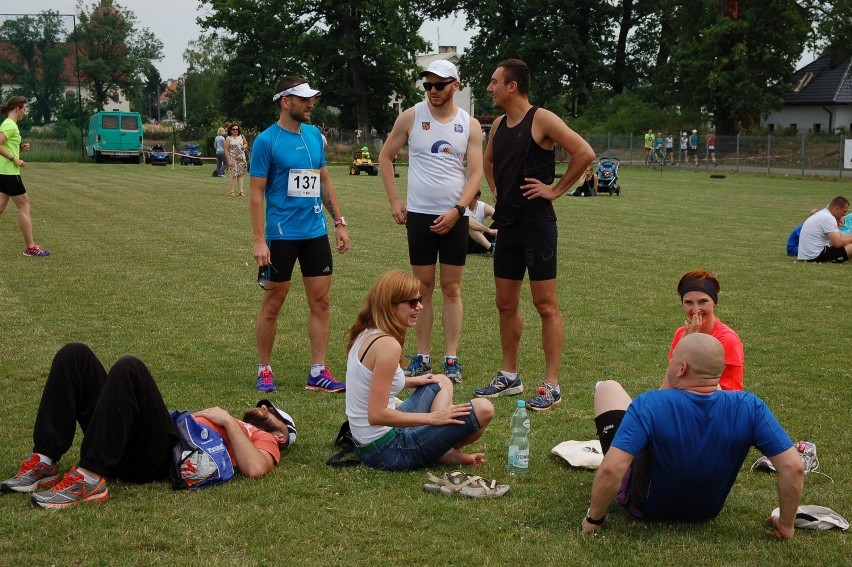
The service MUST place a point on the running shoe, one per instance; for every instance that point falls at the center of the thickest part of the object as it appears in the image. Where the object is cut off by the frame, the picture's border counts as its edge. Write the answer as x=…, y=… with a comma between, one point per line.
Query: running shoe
x=546, y=398
x=34, y=475
x=266, y=380
x=452, y=369
x=324, y=382
x=73, y=489
x=417, y=366
x=35, y=250
x=501, y=385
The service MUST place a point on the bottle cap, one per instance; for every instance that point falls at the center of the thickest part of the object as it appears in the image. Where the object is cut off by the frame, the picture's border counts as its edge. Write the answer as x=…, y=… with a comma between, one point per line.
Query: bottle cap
x=522, y=404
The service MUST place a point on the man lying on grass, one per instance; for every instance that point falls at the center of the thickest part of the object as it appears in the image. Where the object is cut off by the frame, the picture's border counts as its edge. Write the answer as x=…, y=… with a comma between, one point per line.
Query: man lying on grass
x=674, y=454
x=127, y=432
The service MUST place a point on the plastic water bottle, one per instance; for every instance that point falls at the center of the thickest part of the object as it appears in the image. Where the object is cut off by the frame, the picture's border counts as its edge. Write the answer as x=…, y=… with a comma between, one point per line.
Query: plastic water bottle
x=519, y=445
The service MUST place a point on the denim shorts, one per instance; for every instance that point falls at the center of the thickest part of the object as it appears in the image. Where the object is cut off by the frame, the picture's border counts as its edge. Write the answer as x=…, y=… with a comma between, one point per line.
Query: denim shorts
x=418, y=447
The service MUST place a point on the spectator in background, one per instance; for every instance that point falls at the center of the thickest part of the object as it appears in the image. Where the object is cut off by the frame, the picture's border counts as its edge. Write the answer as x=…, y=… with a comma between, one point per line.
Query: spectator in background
x=235, y=153
x=693, y=147
x=11, y=186
x=793, y=239
x=821, y=239
x=588, y=184
x=711, y=146
x=481, y=238
x=221, y=160
x=669, y=149
x=684, y=144
x=649, y=147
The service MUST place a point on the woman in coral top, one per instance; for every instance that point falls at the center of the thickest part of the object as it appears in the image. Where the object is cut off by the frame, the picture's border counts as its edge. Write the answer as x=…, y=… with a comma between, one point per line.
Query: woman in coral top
x=699, y=291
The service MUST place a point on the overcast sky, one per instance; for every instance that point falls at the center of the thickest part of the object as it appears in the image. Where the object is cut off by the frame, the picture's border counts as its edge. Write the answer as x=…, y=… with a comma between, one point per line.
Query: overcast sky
x=173, y=22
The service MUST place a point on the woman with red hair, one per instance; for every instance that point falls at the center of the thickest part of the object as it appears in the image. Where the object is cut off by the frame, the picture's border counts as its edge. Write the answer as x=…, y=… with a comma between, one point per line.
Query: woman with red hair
x=427, y=428
x=699, y=293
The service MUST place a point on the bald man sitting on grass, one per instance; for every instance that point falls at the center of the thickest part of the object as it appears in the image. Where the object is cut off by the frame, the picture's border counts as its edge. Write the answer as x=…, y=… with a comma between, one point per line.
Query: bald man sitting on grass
x=674, y=453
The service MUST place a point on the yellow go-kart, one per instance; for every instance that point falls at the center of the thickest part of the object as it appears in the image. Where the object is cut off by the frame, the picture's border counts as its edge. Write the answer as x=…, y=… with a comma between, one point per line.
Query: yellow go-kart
x=362, y=161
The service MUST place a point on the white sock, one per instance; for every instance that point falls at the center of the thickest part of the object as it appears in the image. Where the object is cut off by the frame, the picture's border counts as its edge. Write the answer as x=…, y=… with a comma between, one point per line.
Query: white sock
x=426, y=358
x=262, y=367
x=89, y=478
x=509, y=375
x=316, y=369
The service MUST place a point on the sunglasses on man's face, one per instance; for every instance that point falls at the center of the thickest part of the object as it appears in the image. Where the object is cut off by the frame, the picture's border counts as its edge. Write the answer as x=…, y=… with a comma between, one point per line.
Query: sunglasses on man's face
x=413, y=302
x=427, y=86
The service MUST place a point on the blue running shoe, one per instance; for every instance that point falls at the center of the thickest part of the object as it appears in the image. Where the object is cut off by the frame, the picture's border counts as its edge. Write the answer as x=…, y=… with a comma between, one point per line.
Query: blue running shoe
x=266, y=380
x=417, y=366
x=501, y=385
x=546, y=398
x=324, y=382
x=452, y=368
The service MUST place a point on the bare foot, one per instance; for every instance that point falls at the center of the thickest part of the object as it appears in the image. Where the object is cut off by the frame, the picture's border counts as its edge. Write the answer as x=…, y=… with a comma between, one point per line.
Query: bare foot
x=456, y=457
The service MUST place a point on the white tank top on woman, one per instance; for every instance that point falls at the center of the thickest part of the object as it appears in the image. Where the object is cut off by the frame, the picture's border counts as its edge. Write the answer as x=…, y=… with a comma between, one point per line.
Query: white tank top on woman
x=358, y=380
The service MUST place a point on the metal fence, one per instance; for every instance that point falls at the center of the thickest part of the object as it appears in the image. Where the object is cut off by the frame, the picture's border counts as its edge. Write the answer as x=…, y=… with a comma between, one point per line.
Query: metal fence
x=805, y=154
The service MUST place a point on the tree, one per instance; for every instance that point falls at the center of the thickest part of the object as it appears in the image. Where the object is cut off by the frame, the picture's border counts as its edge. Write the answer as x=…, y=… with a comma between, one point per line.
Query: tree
x=359, y=53
x=36, y=61
x=564, y=45
x=206, y=59
x=832, y=30
x=114, y=54
x=734, y=61
x=151, y=88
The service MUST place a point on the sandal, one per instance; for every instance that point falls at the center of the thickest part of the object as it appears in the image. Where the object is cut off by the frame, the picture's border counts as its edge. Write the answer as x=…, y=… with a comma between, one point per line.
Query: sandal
x=231, y=194
x=242, y=194
x=464, y=484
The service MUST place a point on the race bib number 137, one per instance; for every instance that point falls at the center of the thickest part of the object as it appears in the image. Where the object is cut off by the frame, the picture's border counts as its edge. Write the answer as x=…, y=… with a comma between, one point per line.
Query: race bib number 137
x=303, y=183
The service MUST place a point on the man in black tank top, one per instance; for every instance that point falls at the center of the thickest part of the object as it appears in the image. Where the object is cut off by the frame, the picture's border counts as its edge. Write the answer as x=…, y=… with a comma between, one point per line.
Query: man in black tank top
x=520, y=166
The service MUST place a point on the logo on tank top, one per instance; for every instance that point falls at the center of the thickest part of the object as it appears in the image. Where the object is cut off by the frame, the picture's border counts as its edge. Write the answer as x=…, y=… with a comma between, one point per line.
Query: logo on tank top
x=458, y=128
x=442, y=147
x=425, y=126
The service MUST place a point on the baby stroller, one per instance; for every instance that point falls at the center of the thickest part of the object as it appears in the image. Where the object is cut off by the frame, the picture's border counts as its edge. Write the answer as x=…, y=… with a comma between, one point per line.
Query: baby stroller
x=608, y=176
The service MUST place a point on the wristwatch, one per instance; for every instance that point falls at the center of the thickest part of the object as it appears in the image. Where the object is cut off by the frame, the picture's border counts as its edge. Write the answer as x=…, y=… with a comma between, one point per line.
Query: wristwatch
x=593, y=521
x=340, y=222
x=460, y=209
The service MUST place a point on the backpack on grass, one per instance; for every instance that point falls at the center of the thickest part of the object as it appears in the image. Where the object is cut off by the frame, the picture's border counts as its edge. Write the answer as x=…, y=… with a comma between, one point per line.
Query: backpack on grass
x=200, y=457
x=346, y=442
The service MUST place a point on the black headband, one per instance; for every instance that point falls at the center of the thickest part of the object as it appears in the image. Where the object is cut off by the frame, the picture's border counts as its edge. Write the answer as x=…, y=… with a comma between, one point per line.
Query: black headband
x=705, y=285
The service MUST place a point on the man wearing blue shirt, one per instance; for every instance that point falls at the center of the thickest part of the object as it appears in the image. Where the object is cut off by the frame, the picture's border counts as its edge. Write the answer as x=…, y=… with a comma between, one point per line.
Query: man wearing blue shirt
x=674, y=453
x=288, y=171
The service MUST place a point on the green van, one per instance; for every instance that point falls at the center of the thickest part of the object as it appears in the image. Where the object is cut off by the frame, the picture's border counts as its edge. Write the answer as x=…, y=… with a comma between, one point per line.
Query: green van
x=115, y=134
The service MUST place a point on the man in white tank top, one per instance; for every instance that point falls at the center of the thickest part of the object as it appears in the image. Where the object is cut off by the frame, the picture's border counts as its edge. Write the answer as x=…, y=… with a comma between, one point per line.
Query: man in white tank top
x=442, y=140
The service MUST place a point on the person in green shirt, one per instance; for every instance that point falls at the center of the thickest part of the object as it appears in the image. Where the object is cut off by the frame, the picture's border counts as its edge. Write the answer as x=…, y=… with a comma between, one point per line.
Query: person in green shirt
x=11, y=186
x=649, y=146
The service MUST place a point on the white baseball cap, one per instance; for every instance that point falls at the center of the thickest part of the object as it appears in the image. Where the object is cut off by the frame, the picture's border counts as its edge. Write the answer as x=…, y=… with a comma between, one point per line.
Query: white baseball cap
x=443, y=69
x=285, y=417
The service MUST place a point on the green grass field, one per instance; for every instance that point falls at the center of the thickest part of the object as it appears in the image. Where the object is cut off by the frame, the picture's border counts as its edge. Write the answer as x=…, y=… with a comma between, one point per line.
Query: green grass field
x=157, y=262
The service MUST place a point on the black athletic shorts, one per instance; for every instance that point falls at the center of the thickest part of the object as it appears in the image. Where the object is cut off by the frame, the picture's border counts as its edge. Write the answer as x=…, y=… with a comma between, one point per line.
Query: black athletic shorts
x=526, y=247
x=12, y=185
x=425, y=246
x=832, y=254
x=637, y=480
x=314, y=255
